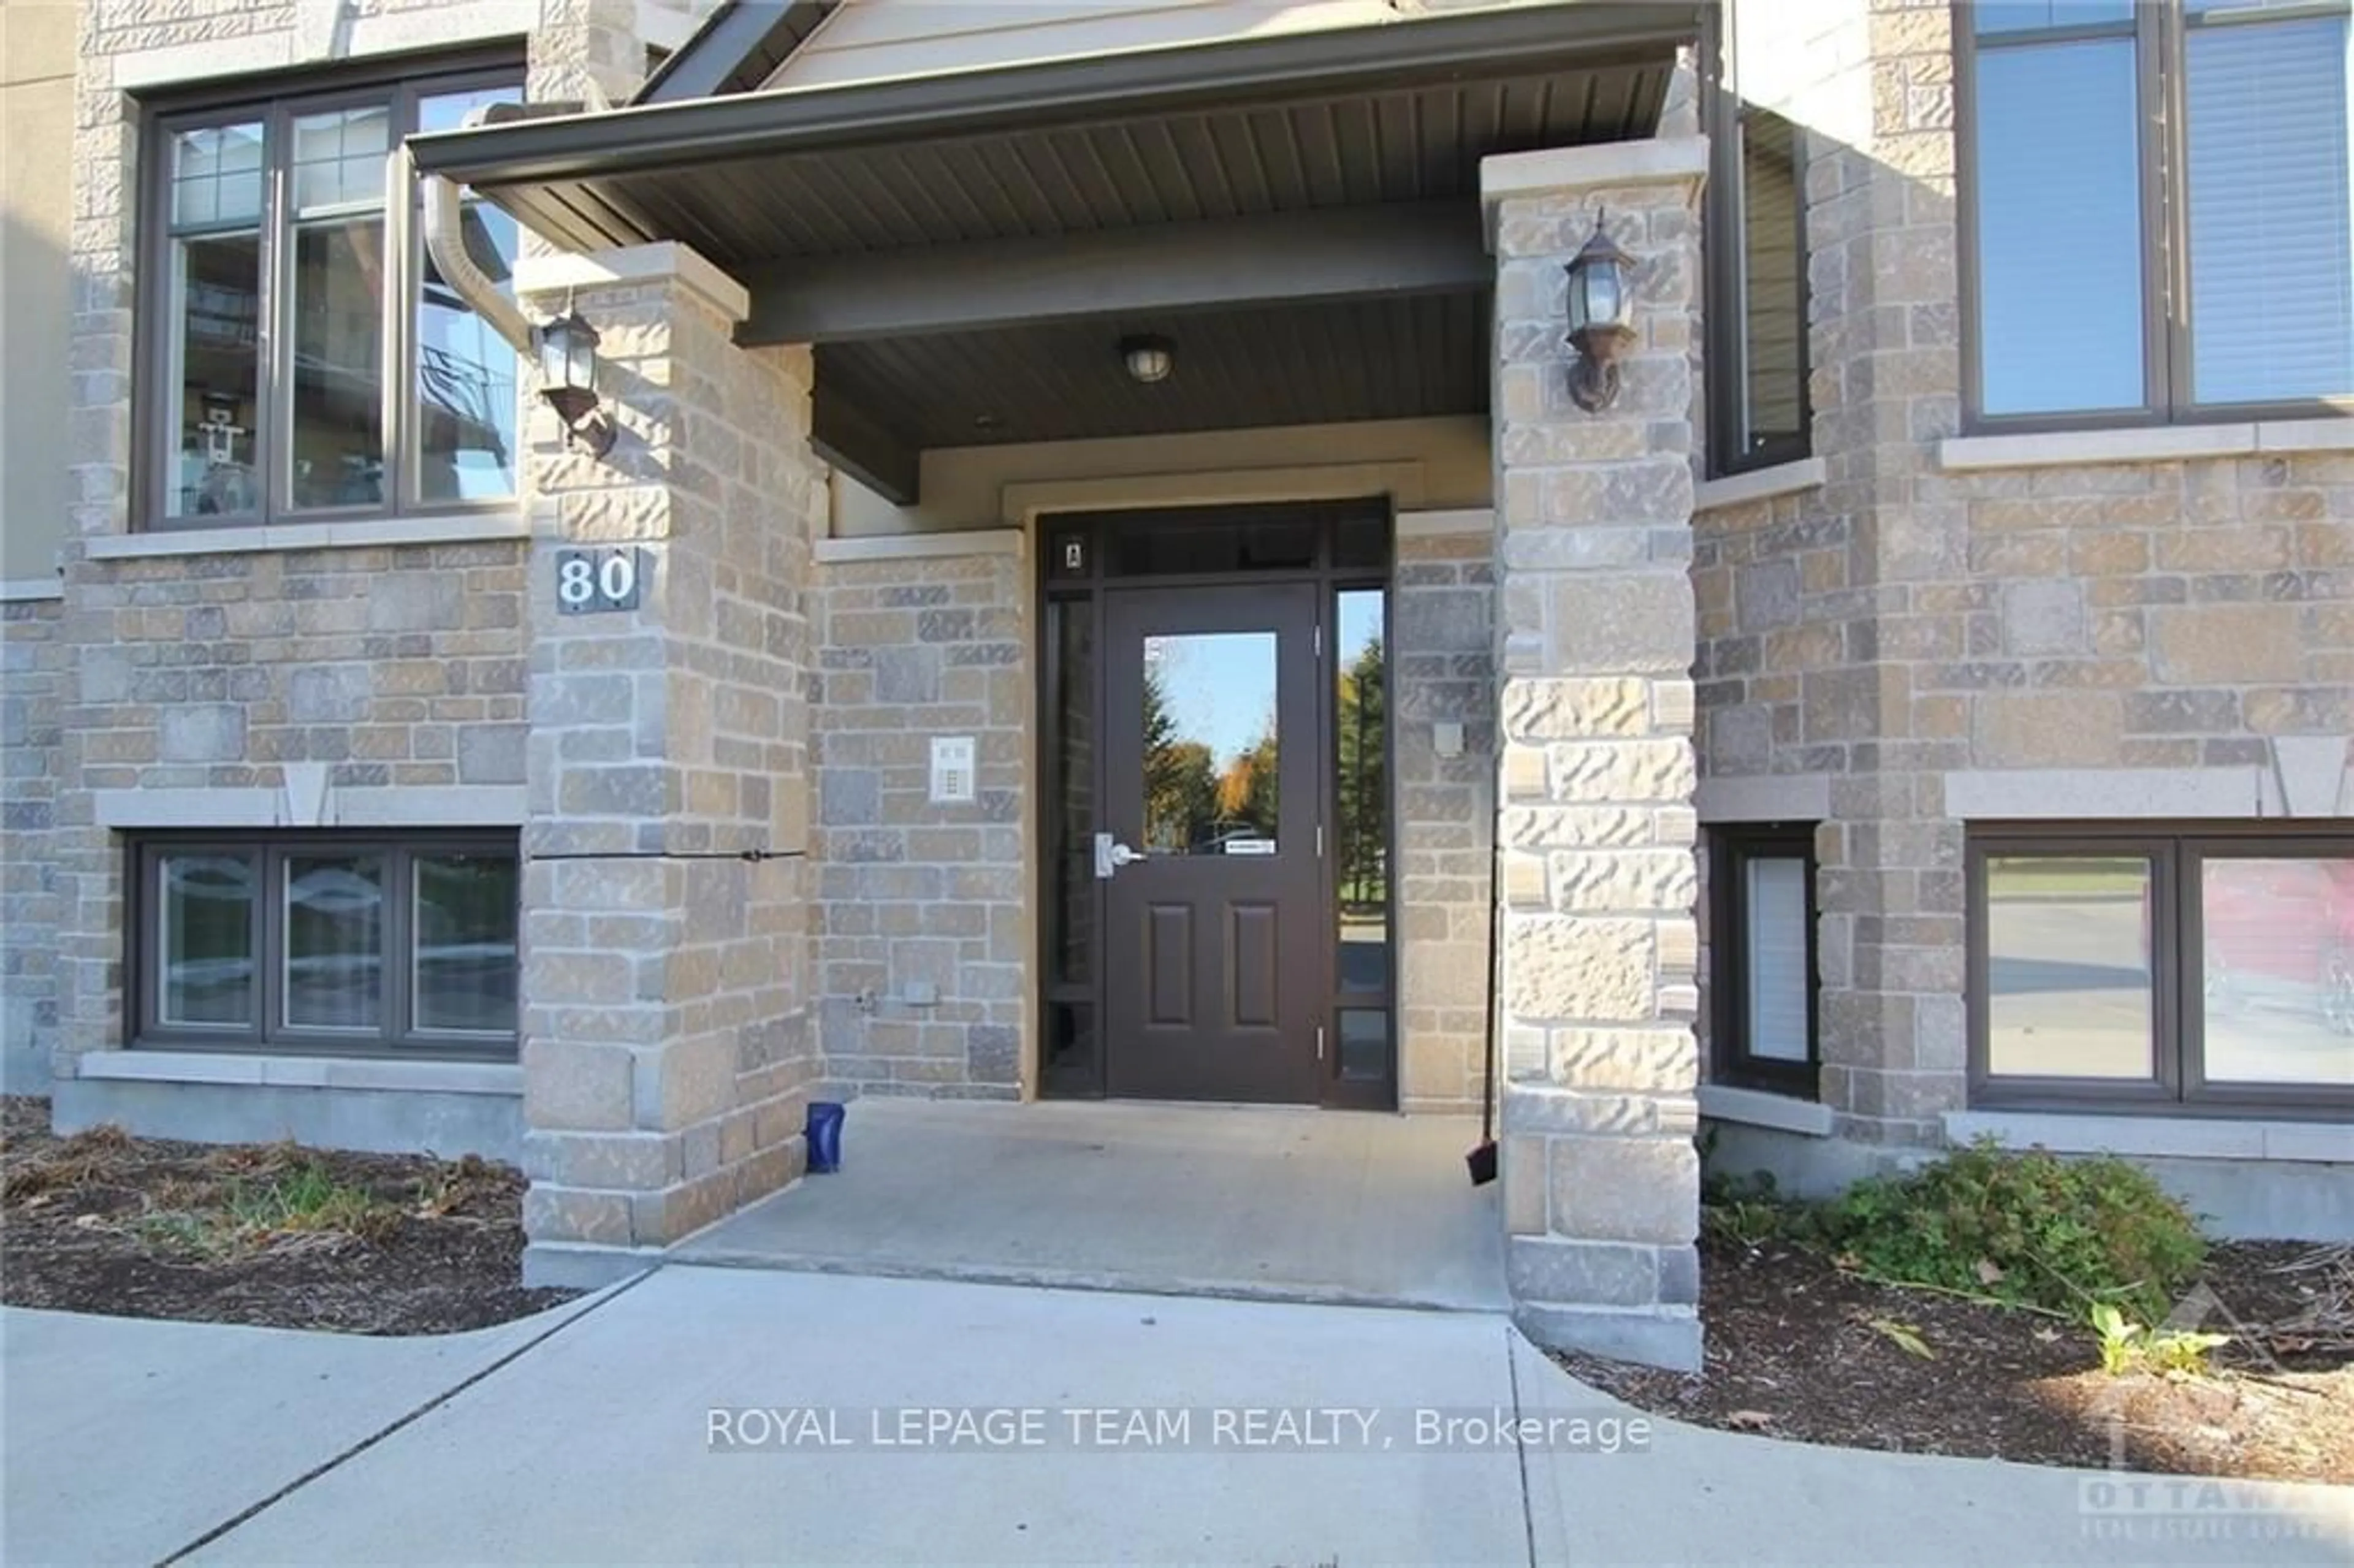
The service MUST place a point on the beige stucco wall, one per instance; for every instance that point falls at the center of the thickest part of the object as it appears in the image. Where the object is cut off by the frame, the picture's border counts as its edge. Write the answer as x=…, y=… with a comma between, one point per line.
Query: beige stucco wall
x=1425, y=464
x=36, y=63
x=870, y=39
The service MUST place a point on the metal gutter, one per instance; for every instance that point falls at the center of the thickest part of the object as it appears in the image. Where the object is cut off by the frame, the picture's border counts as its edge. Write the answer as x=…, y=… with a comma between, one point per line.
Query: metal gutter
x=1413, y=48
x=443, y=204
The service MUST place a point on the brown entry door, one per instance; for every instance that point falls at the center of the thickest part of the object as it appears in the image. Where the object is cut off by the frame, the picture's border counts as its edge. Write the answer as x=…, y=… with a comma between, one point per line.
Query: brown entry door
x=1214, y=974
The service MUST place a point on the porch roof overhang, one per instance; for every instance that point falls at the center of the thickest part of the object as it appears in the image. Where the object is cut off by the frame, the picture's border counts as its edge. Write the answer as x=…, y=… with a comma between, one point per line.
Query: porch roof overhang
x=942, y=239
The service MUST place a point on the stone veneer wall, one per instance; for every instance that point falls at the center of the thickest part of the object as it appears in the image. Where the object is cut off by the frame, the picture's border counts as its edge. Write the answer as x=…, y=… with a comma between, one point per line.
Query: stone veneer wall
x=666, y=975
x=386, y=667
x=392, y=666
x=910, y=893
x=33, y=677
x=1443, y=671
x=1904, y=622
x=1595, y=631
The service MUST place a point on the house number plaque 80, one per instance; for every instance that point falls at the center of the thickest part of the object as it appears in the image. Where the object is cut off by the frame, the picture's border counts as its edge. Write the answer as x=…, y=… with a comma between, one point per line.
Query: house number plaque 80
x=588, y=581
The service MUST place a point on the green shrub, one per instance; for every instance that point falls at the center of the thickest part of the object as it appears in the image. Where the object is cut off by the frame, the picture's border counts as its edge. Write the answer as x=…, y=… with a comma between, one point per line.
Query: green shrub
x=1747, y=1209
x=2026, y=1226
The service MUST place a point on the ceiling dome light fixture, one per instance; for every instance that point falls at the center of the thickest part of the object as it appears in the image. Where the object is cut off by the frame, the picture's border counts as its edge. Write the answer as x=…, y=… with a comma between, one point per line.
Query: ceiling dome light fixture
x=1149, y=359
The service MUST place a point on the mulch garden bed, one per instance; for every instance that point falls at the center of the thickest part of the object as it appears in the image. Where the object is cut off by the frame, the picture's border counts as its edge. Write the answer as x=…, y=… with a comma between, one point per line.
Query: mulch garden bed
x=1798, y=1347
x=275, y=1235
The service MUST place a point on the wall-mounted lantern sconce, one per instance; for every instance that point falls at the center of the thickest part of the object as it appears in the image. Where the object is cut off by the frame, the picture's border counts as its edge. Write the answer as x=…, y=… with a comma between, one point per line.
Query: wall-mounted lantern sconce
x=1601, y=319
x=567, y=373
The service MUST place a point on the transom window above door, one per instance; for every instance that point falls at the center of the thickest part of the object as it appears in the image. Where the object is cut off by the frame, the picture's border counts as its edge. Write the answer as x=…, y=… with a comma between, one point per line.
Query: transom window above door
x=299, y=353
x=2158, y=211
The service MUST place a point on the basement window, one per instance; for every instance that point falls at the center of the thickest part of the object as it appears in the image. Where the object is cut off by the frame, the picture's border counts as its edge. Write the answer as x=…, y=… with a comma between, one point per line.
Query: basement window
x=2141, y=969
x=325, y=943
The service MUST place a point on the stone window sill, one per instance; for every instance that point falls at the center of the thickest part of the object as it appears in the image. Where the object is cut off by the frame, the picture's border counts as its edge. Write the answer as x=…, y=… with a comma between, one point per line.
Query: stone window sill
x=2155, y=443
x=463, y=528
x=25, y=590
x=1760, y=484
x=303, y=1072
x=2184, y=1137
x=1756, y=1108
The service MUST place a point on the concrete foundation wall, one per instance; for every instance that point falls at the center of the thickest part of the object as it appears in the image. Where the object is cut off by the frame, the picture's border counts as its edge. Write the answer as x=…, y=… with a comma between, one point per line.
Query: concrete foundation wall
x=405, y=1121
x=2262, y=1199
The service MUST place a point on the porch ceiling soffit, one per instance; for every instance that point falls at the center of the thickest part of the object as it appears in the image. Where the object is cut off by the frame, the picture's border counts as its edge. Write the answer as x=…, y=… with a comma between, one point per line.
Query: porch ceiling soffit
x=951, y=243
x=1401, y=112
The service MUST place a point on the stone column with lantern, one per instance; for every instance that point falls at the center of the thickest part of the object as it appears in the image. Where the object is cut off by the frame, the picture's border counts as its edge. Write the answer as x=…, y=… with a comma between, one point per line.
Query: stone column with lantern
x=1595, y=827
x=675, y=500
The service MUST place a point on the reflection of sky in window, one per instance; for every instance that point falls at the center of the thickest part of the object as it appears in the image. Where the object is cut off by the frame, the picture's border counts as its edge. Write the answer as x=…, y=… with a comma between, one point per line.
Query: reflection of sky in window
x=2059, y=227
x=463, y=366
x=1218, y=686
x=1361, y=623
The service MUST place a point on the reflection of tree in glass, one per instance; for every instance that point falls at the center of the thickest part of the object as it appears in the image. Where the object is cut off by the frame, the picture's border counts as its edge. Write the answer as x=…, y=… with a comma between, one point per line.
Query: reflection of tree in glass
x=1247, y=789
x=1363, y=757
x=1180, y=776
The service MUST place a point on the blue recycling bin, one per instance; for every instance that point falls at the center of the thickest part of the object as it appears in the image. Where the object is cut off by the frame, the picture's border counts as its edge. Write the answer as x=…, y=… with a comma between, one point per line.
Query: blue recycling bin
x=824, y=1132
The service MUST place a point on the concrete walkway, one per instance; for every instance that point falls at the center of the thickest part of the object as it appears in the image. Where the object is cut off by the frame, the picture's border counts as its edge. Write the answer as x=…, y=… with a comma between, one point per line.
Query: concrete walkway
x=129, y=1441
x=1271, y=1202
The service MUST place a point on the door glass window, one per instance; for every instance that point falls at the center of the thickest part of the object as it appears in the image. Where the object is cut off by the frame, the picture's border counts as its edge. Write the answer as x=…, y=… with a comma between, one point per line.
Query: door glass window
x=1364, y=1042
x=1362, y=843
x=2068, y=967
x=1210, y=748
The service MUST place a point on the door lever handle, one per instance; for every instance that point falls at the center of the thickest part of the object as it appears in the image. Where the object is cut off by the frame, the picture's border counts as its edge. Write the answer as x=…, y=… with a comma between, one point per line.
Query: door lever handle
x=1111, y=855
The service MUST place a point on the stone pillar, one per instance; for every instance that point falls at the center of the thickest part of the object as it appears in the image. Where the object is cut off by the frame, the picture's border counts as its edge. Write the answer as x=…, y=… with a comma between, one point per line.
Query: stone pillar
x=666, y=1053
x=1596, y=633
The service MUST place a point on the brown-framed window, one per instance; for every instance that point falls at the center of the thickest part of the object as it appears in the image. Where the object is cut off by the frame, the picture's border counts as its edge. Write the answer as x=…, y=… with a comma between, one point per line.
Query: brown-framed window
x=1762, y=958
x=325, y=942
x=1754, y=256
x=299, y=354
x=2157, y=218
x=2127, y=967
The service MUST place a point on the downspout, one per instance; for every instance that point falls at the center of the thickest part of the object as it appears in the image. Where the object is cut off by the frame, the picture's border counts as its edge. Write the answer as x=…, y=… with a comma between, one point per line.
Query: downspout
x=445, y=241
